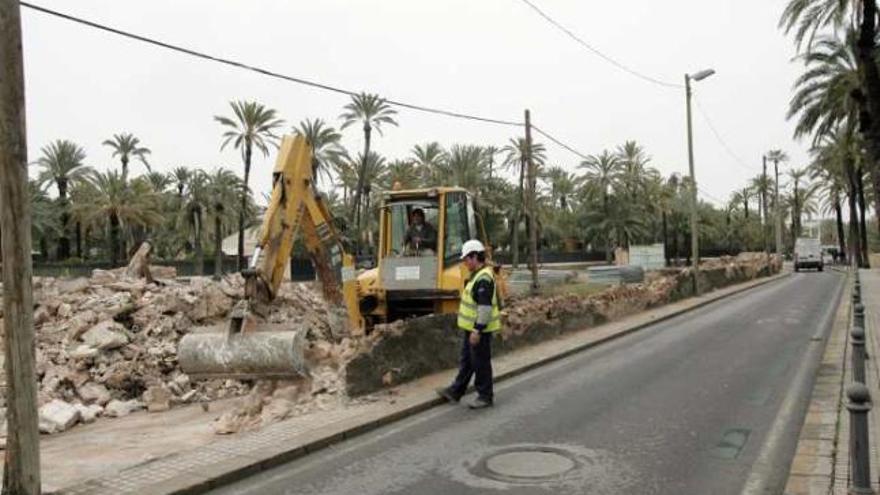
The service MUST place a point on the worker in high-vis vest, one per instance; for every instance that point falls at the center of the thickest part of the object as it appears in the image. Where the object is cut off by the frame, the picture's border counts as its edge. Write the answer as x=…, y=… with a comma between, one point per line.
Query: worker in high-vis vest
x=478, y=318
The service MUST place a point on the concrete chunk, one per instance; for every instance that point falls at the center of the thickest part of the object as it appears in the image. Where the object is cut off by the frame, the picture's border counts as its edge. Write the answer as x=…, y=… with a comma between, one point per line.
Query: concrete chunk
x=57, y=416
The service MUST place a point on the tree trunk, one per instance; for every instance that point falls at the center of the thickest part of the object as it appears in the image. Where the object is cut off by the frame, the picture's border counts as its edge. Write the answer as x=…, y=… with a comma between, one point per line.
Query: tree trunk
x=21, y=471
x=855, y=250
x=79, y=250
x=242, y=264
x=515, y=241
x=870, y=102
x=200, y=253
x=114, y=239
x=355, y=215
x=124, y=160
x=874, y=170
x=218, y=246
x=665, y=239
x=675, y=246
x=863, y=229
x=841, y=237
x=63, y=239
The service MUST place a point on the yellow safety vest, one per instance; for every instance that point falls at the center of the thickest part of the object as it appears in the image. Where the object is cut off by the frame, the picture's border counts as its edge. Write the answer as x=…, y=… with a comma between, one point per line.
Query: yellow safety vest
x=467, y=308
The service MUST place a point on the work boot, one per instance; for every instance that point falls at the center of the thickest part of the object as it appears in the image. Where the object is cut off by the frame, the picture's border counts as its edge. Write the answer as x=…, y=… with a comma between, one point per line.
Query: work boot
x=480, y=403
x=445, y=393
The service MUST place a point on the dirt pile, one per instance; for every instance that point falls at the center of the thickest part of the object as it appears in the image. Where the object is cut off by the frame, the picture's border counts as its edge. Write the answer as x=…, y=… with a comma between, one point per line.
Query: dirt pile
x=107, y=345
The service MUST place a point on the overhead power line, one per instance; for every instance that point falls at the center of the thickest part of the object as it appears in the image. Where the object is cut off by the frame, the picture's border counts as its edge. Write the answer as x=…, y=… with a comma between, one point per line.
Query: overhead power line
x=259, y=70
x=598, y=52
x=710, y=196
x=739, y=161
x=560, y=143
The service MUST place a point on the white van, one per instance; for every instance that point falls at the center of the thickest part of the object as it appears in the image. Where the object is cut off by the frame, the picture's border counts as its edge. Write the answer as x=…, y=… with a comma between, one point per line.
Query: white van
x=808, y=254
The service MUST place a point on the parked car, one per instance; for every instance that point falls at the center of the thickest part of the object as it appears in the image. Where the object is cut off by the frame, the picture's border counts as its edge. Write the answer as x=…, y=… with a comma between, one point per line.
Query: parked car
x=808, y=254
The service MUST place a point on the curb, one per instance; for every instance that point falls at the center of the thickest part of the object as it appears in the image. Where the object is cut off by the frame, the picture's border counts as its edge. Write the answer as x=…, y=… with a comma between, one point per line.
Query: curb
x=319, y=444
x=219, y=478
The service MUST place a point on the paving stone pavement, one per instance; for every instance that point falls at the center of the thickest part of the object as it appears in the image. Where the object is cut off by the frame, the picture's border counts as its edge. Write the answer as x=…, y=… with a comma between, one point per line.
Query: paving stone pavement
x=822, y=462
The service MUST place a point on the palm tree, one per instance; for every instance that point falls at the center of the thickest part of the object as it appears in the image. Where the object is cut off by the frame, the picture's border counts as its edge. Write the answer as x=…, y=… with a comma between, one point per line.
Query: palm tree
x=324, y=141
x=126, y=146
x=812, y=15
x=829, y=176
x=491, y=152
x=465, y=167
x=562, y=186
x=822, y=93
x=180, y=176
x=762, y=184
x=223, y=187
x=830, y=93
x=841, y=149
x=517, y=153
x=113, y=203
x=797, y=175
x=158, y=181
x=252, y=127
x=429, y=158
x=44, y=221
x=633, y=161
x=62, y=165
x=402, y=173
x=196, y=201
x=373, y=112
x=376, y=168
x=602, y=173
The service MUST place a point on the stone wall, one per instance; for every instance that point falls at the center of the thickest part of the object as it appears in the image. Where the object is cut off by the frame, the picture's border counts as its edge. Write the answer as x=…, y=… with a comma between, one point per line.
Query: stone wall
x=404, y=351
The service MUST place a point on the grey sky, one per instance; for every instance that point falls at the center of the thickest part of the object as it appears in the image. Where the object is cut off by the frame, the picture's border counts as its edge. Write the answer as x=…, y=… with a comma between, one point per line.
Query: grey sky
x=486, y=57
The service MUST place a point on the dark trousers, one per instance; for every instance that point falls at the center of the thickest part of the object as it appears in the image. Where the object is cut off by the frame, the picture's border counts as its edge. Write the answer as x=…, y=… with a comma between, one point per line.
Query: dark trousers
x=474, y=360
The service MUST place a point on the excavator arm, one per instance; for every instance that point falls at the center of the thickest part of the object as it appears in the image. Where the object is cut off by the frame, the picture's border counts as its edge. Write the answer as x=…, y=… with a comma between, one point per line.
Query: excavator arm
x=296, y=208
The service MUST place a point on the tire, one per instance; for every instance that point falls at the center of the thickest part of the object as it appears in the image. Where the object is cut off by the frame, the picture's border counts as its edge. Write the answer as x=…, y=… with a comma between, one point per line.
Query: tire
x=821, y=268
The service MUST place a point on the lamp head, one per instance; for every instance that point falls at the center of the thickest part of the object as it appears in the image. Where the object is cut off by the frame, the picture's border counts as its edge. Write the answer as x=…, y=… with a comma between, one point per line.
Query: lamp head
x=703, y=74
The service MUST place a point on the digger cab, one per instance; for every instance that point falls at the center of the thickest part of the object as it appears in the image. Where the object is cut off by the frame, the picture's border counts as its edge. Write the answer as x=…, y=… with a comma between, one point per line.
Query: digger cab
x=419, y=269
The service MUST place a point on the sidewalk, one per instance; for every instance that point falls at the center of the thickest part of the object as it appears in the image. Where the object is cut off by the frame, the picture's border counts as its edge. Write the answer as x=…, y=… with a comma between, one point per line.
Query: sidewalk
x=821, y=463
x=194, y=463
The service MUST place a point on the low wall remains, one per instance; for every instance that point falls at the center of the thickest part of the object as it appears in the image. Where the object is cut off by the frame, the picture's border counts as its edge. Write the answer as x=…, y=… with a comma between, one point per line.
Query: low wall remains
x=406, y=351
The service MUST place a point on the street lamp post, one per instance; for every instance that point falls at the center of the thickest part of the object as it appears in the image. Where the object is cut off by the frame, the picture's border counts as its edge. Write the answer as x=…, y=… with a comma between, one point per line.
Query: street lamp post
x=695, y=235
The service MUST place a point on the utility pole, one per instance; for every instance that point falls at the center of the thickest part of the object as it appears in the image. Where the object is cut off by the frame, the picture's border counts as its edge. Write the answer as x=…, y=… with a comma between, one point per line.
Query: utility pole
x=777, y=209
x=21, y=473
x=695, y=234
x=531, y=207
x=764, y=206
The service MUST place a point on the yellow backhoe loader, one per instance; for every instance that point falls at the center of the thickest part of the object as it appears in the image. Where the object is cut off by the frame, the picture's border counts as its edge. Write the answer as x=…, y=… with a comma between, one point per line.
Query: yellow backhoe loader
x=418, y=272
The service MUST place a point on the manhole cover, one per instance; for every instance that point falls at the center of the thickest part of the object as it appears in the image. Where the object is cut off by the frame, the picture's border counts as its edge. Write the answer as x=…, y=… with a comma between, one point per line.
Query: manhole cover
x=529, y=464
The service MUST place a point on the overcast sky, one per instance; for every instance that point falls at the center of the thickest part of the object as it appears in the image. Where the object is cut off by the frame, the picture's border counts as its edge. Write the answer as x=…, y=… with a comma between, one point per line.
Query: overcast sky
x=486, y=57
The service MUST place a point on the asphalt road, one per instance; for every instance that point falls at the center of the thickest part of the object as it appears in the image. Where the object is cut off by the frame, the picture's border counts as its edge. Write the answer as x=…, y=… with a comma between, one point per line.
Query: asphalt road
x=682, y=407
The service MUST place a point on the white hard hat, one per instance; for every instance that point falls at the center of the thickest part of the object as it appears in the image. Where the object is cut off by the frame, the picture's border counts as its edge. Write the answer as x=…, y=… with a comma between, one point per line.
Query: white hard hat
x=472, y=246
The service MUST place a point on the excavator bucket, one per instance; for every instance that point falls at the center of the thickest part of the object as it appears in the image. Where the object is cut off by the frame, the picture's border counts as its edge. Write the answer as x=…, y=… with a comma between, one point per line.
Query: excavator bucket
x=272, y=352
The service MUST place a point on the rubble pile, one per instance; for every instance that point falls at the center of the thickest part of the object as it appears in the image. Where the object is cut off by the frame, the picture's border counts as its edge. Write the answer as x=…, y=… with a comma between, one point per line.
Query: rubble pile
x=107, y=345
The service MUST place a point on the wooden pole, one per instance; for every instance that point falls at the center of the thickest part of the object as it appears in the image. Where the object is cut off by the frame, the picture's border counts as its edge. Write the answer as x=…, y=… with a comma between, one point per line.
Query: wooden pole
x=22, y=466
x=531, y=206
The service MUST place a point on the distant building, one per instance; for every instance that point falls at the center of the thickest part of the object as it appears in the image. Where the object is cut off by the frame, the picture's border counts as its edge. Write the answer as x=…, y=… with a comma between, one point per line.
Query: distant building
x=229, y=246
